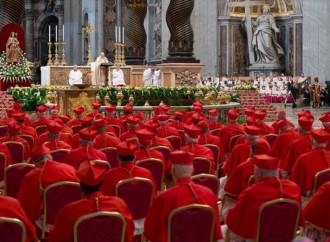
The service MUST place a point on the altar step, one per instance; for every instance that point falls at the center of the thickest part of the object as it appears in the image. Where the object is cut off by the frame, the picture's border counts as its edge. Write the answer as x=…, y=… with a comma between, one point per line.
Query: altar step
x=256, y=100
x=6, y=101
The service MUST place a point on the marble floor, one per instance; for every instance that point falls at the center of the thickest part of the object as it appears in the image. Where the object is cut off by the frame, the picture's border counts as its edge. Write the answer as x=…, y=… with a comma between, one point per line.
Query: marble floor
x=292, y=113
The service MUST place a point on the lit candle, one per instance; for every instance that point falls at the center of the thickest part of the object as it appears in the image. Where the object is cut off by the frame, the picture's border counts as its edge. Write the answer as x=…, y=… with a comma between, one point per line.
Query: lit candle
x=123, y=35
x=116, y=34
x=49, y=33
x=63, y=32
x=56, y=33
x=119, y=34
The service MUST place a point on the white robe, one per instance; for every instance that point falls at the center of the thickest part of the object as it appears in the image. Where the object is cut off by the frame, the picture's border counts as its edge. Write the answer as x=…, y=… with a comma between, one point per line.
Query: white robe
x=156, y=78
x=147, y=77
x=118, y=77
x=75, y=77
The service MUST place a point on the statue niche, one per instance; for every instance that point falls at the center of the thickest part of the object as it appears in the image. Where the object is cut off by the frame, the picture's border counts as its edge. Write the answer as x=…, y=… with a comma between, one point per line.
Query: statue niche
x=13, y=50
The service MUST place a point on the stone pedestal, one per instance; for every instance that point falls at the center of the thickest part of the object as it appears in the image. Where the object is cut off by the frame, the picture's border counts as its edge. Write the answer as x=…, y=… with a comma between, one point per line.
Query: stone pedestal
x=271, y=69
x=69, y=99
x=180, y=74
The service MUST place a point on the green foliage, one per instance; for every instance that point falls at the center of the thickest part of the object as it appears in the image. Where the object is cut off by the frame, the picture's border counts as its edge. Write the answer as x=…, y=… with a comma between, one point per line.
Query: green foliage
x=235, y=97
x=244, y=87
x=29, y=97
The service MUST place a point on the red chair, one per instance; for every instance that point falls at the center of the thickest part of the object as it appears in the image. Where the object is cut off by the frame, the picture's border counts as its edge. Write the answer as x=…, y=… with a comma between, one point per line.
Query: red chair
x=103, y=163
x=55, y=197
x=16, y=150
x=175, y=141
x=28, y=139
x=3, y=130
x=320, y=178
x=59, y=155
x=138, y=194
x=271, y=138
x=191, y=223
x=41, y=129
x=157, y=169
x=165, y=151
x=216, y=153
x=111, y=153
x=13, y=177
x=278, y=220
x=232, y=141
x=100, y=227
x=3, y=165
x=76, y=128
x=215, y=132
x=202, y=165
x=117, y=129
x=208, y=180
x=12, y=229
x=252, y=180
x=182, y=136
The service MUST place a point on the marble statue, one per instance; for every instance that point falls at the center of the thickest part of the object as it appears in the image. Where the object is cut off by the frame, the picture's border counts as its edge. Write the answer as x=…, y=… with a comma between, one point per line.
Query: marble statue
x=264, y=39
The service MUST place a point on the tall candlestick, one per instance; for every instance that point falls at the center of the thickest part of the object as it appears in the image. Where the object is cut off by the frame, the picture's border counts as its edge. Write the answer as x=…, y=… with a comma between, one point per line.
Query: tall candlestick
x=63, y=32
x=123, y=35
x=116, y=34
x=48, y=33
x=56, y=33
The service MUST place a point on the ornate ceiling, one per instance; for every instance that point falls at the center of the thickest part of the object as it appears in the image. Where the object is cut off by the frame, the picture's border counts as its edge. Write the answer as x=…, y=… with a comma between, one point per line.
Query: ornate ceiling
x=278, y=8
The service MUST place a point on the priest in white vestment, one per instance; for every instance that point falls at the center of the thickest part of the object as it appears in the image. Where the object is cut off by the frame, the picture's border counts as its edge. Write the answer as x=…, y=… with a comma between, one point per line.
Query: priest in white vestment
x=99, y=60
x=147, y=76
x=75, y=76
x=157, y=78
x=118, y=77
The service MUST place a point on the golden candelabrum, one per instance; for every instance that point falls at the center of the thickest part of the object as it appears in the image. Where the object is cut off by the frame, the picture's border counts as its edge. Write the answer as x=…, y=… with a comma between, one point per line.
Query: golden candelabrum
x=89, y=29
x=120, y=54
x=63, y=62
x=56, y=61
x=49, y=63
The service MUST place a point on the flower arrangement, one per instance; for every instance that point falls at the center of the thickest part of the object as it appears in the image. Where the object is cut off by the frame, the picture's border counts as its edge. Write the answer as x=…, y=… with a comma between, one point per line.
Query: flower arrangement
x=14, y=71
x=29, y=97
x=174, y=96
x=244, y=87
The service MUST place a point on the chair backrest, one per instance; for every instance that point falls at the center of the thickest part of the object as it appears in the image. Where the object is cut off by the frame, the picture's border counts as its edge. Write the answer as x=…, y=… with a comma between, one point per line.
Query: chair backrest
x=175, y=141
x=3, y=130
x=202, y=165
x=215, y=132
x=12, y=229
x=271, y=138
x=13, y=177
x=59, y=155
x=111, y=153
x=138, y=194
x=117, y=129
x=208, y=180
x=315, y=233
x=28, y=139
x=3, y=165
x=278, y=220
x=76, y=128
x=194, y=222
x=41, y=129
x=164, y=150
x=320, y=178
x=16, y=150
x=232, y=141
x=55, y=197
x=252, y=180
x=100, y=227
x=156, y=167
x=105, y=163
x=215, y=151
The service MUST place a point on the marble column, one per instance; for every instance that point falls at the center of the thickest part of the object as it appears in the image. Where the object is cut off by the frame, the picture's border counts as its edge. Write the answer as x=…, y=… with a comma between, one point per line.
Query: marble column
x=29, y=37
x=60, y=12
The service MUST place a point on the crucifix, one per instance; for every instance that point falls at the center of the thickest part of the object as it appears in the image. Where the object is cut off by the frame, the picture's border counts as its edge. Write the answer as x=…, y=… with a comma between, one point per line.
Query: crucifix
x=247, y=4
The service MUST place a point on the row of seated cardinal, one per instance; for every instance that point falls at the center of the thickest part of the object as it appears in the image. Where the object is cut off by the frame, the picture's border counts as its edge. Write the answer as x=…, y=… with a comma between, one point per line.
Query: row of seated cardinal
x=152, y=171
